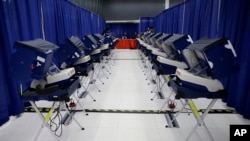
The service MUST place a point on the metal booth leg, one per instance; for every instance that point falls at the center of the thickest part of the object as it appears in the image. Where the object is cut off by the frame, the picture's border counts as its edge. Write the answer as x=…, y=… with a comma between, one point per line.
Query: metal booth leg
x=200, y=118
x=44, y=122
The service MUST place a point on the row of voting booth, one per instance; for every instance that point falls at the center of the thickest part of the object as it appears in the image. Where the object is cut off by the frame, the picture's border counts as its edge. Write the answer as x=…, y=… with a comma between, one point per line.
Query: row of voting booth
x=56, y=72
x=191, y=69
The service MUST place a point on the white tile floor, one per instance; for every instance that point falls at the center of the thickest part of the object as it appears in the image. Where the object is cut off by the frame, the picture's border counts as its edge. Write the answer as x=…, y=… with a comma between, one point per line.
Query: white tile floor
x=125, y=89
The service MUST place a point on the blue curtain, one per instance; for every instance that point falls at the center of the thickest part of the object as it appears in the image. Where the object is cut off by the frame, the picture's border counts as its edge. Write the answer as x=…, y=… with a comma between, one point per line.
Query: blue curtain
x=20, y=20
x=89, y=23
x=158, y=22
x=94, y=20
x=234, y=24
x=193, y=17
x=53, y=17
x=200, y=18
x=86, y=22
x=102, y=24
x=118, y=29
x=170, y=20
x=63, y=19
x=71, y=20
x=98, y=23
x=146, y=22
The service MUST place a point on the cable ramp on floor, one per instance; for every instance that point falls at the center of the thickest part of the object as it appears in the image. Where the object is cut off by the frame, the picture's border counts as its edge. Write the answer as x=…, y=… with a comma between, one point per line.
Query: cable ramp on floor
x=212, y=111
x=168, y=114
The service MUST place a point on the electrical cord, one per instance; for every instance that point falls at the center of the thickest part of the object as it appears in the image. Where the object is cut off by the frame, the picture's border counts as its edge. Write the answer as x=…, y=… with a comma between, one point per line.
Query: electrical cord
x=55, y=123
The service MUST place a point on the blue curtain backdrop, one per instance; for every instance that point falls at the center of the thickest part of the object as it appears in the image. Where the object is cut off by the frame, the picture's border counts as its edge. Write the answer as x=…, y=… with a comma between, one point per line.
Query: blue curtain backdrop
x=53, y=20
x=71, y=20
x=118, y=29
x=200, y=18
x=86, y=22
x=94, y=20
x=22, y=20
x=64, y=19
x=102, y=24
x=146, y=22
x=170, y=20
x=234, y=24
x=193, y=17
